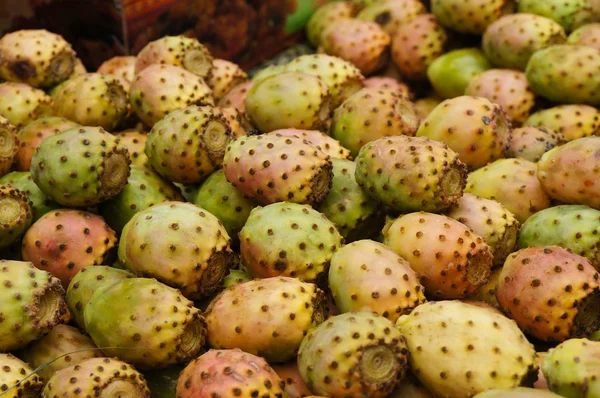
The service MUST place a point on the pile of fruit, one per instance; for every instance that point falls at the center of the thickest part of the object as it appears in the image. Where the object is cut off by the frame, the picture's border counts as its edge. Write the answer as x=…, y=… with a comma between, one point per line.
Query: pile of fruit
x=412, y=211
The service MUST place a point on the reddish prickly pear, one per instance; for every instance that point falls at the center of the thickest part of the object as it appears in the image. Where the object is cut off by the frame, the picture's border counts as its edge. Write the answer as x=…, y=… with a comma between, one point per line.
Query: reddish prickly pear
x=321, y=141
x=236, y=97
x=530, y=143
x=224, y=77
x=325, y=16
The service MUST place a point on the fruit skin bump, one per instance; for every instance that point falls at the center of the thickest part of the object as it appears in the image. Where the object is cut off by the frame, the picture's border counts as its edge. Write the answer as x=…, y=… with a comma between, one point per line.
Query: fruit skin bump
x=410, y=173
x=459, y=349
x=17, y=379
x=100, y=377
x=574, y=227
x=572, y=368
x=265, y=317
x=288, y=239
x=272, y=167
x=229, y=373
x=156, y=322
x=368, y=276
x=568, y=172
x=34, y=302
x=451, y=261
x=36, y=57
x=566, y=74
x=538, y=286
x=181, y=245
x=82, y=166
x=353, y=354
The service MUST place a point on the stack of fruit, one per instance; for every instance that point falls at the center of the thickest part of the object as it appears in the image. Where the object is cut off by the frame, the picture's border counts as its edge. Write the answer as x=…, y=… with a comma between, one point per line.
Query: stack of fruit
x=403, y=214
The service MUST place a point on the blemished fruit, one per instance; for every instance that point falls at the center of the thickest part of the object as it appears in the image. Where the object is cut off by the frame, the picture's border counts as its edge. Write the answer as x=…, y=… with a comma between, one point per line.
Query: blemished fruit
x=36, y=57
x=530, y=143
x=265, y=317
x=459, y=349
x=368, y=276
x=451, y=73
x=410, y=173
x=392, y=14
x=273, y=167
x=450, y=260
x=64, y=241
x=33, y=304
x=16, y=215
x=229, y=373
x=18, y=378
x=99, y=377
x=538, y=287
x=572, y=121
x=82, y=166
x=156, y=322
x=353, y=354
x=568, y=172
x=22, y=104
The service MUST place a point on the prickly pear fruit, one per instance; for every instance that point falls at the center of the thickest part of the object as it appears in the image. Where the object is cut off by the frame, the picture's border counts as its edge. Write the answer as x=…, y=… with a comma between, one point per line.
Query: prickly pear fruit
x=530, y=143
x=272, y=168
x=36, y=57
x=410, y=173
x=31, y=136
x=342, y=77
x=551, y=293
x=185, y=52
x=63, y=347
x=392, y=14
x=507, y=88
x=356, y=215
x=411, y=388
x=305, y=241
x=417, y=43
x=513, y=183
x=490, y=220
x=474, y=127
x=39, y=202
x=449, y=258
x=572, y=368
x=238, y=123
x=9, y=146
x=321, y=141
x=451, y=72
x=161, y=89
x=270, y=70
x=353, y=354
x=566, y=74
x=225, y=202
x=510, y=41
x=122, y=67
x=82, y=166
x=325, y=16
x=86, y=282
x=64, y=241
x=16, y=215
x=229, y=373
x=135, y=143
x=236, y=97
x=180, y=244
x=572, y=121
x=225, y=76
x=471, y=16
x=363, y=43
x=424, y=106
x=21, y=104
x=93, y=99
x=367, y=276
x=144, y=189
x=33, y=303
x=586, y=35
x=290, y=374
x=99, y=377
x=569, y=14
x=389, y=83
x=159, y=325
x=487, y=292
x=235, y=277
x=573, y=227
x=245, y=316
x=492, y=351
x=289, y=100
x=568, y=172
x=516, y=392
x=18, y=379
x=188, y=144
x=371, y=114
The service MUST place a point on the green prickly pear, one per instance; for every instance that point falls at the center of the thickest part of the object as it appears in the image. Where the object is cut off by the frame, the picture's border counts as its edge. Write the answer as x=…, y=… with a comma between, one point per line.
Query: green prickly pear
x=586, y=35
x=451, y=72
x=16, y=215
x=569, y=14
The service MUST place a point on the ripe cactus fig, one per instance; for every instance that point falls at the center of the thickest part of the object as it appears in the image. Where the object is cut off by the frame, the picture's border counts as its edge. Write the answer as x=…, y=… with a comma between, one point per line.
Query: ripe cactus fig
x=39, y=202
x=389, y=83
x=392, y=14
x=572, y=121
x=325, y=16
x=569, y=14
x=538, y=287
x=225, y=75
x=472, y=16
x=238, y=123
x=135, y=143
x=18, y=378
x=487, y=292
x=16, y=215
x=236, y=97
x=449, y=258
x=586, y=35
x=451, y=73
x=289, y=373
x=321, y=141
x=530, y=143
x=21, y=104
x=121, y=67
